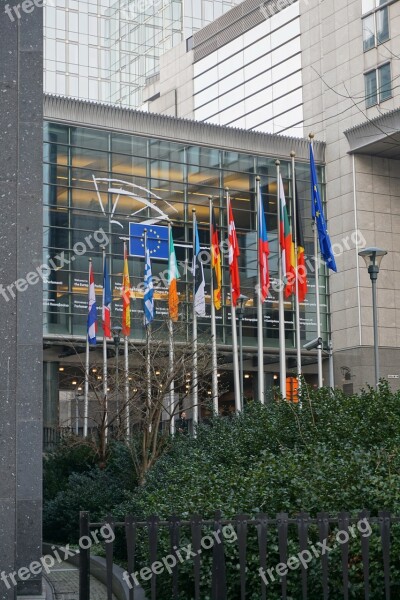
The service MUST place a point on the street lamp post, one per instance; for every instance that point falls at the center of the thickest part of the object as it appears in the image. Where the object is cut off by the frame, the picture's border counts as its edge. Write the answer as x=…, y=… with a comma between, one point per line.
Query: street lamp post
x=116, y=331
x=373, y=258
x=240, y=313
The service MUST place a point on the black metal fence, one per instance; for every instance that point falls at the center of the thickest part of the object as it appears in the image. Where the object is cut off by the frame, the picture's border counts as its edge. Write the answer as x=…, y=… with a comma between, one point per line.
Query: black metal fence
x=286, y=550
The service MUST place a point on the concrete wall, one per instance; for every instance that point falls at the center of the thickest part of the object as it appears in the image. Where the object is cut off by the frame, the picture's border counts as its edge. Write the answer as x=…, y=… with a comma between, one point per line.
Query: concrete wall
x=362, y=192
x=21, y=234
x=175, y=85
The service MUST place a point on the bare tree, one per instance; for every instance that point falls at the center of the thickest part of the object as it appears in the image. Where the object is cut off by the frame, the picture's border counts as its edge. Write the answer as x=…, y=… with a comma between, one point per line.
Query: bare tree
x=148, y=403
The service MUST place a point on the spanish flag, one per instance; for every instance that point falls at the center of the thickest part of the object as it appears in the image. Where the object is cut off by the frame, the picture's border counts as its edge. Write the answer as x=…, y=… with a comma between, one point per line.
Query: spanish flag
x=126, y=297
x=301, y=261
x=216, y=261
x=173, y=276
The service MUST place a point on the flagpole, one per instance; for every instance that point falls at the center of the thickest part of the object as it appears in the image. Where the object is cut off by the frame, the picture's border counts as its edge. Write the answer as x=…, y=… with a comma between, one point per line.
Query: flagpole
x=171, y=351
x=282, y=340
x=126, y=374
x=105, y=373
x=260, y=321
x=317, y=298
x=87, y=364
x=195, y=391
x=235, y=348
x=127, y=411
x=148, y=343
x=171, y=373
x=297, y=302
x=213, y=329
x=317, y=301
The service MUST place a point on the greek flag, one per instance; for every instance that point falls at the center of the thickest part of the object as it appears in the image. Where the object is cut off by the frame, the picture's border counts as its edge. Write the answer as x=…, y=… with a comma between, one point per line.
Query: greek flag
x=148, y=291
x=92, y=309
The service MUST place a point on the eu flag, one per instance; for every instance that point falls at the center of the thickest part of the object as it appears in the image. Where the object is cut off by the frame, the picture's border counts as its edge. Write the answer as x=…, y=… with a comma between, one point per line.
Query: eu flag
x=157, y=240
x=318, y=216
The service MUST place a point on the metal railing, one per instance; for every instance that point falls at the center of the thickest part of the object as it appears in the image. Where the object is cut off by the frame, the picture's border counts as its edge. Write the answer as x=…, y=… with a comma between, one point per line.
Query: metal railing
x=281, y=539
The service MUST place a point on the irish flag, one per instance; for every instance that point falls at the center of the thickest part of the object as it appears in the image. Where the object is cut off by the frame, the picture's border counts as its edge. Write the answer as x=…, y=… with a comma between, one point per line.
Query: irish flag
x=286, y=243
x=173, y=299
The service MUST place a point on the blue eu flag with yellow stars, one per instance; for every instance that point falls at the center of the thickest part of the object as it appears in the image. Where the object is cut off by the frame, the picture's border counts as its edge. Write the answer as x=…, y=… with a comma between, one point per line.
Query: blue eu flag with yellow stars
x=157, y=240
x=318, y=216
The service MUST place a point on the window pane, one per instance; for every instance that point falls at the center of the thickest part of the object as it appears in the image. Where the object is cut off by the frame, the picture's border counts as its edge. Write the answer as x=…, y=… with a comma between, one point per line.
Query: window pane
x=382, y=25
x=385, y=84
x=371, y=97
x=368, y=32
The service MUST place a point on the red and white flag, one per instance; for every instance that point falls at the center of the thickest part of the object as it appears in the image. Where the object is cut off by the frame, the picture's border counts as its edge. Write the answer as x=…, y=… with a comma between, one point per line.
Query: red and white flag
x=234, y=254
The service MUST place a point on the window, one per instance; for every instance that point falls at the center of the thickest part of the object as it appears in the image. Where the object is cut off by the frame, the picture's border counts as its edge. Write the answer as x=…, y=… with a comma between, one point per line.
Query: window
x=369, y=5
x=378, y=85
x=385, y=83
x=376, y=28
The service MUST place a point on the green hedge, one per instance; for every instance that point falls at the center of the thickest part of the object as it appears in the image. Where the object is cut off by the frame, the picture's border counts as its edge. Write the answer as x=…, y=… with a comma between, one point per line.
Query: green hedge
x=335, y=453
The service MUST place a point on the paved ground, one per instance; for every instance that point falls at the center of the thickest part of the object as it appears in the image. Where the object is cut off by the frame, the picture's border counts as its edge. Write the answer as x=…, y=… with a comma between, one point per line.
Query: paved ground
x=64, y=579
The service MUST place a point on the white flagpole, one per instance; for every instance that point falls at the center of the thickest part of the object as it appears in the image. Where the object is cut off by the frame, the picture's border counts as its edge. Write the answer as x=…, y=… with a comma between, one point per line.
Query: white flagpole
x=235, y=348
x=148, y=344
x=195, y=391
x=87, y=365
x=213, y=331
x=171, y=359
x=105, y=374
x=317, y=298
x=297, y=303
x=282, y=340
x=171, y=372
x=318, y=308
x=127, y=407
x=260, y=321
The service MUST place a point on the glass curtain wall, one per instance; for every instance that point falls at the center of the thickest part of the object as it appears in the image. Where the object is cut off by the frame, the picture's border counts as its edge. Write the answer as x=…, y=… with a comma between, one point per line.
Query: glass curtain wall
x=82, y=212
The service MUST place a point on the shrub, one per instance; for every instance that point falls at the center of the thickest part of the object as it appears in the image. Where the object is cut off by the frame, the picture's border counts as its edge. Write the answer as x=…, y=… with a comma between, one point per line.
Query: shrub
x=334, y=453
x=83, y=486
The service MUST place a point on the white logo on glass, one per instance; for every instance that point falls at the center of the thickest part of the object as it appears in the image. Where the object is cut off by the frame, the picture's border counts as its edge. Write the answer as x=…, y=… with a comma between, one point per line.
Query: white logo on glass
x=121, y=188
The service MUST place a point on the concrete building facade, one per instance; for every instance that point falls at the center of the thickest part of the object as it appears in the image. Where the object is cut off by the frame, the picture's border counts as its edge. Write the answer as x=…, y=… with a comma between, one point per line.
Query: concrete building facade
x=359, y=122
x=349, y=69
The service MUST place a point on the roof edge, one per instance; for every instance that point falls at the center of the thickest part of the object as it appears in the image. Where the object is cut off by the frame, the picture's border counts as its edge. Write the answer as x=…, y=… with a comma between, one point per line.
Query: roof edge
x=127, y=120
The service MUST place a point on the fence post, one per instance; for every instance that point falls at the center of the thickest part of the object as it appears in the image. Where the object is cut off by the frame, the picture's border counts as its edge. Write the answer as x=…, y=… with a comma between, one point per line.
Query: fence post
x=84, y=558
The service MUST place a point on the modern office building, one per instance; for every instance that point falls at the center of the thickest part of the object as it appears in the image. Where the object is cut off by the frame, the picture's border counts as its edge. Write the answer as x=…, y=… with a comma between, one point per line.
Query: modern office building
x=244, y=70
x=104, y=50
x=331, y=69
x=94, y=156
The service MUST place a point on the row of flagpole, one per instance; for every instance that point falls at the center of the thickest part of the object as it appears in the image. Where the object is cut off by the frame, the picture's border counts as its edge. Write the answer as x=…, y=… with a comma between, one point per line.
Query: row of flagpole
x=290, y=259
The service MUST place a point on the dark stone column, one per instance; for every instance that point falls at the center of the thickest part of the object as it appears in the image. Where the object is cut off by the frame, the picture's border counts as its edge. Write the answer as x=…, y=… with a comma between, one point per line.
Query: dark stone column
x=51, y=415
x=21, y=376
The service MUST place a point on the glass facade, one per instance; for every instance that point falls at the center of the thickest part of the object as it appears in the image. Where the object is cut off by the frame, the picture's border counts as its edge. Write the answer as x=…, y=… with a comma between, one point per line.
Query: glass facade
x=254, y=82
x=76, y=49
x=103, y=51
x=83, y=211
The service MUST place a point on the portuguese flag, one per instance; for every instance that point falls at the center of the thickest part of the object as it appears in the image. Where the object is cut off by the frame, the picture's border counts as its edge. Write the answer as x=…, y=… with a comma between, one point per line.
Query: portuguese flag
x=287, y=246
x=301, y=261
